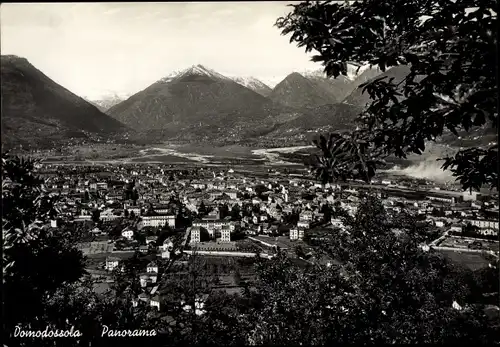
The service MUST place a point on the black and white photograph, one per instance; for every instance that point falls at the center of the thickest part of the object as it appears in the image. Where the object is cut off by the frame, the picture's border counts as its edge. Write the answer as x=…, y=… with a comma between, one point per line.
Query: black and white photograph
x=250, y=173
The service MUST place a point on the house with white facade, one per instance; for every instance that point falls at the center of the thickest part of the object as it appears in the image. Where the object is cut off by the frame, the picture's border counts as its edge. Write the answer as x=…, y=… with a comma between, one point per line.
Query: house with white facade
x=152, y=267
x=155, y=302
x=157, y=221
x=195, y=234
x=112, y=263
x=303, y=224
x=296, y=234
x=225, y=234
x=128, y=234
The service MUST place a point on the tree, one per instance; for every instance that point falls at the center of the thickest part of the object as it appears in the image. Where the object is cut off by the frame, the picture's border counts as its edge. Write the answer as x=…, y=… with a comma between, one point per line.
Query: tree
x=96, y=215
x=140, y=238
x=450, y=90
x=37, y=260
x=327, y=212
x=235, y=212
x=128, y=278
x=385, y=290
x=224, y=211
x=135, y=196
x=260, y=189
x=202, y=210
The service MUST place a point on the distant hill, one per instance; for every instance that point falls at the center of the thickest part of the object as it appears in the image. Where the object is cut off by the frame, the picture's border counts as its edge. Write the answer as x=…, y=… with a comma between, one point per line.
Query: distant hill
x=37, y=111
x=298, y=91
x=338, y=88
x=314, y=88
x=254, y=84
x=358, y=98
x=477, y=136
x=335, y=116
x=320, y=119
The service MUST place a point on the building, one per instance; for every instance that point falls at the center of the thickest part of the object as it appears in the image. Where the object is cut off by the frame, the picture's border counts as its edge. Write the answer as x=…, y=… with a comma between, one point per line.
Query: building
x=111, y=263
x=306, y=216
x=128, y=234
x=470, y=196
x=102, y=186
x=195, y=234
x=157, y=221
x=135, y=210
x=231, y=193
x=225, y=234
x=212, y=225
x=303, y=224
x=161, y=209
x=439, y=223
x=82, y=218
x=215, y=195
x=215, y=214
x=486, y=227
x=143, y=279
x=296, y=234
x=443, y=199
x=152, y=267
x=483, y=223
x=155, y=302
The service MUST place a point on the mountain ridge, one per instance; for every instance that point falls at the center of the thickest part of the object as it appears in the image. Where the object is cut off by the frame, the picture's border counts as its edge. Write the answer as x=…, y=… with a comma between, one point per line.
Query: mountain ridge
x=37, y=111
x=194, y=100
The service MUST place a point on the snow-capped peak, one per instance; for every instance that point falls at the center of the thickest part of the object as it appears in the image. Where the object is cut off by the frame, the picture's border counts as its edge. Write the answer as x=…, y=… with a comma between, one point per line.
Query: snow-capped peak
x=194, y=70
x=249, y=81
x=201, y=70
x=170, y=76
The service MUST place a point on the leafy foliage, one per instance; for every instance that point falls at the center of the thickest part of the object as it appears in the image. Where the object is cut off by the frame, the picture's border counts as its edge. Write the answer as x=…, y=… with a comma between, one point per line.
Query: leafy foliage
x=37, y=260
x=450, y=49
x=344, y=157
x=387, y=290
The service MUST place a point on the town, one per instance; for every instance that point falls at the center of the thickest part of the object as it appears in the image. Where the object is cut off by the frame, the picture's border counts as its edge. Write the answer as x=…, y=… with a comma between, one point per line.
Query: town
x=229, y=217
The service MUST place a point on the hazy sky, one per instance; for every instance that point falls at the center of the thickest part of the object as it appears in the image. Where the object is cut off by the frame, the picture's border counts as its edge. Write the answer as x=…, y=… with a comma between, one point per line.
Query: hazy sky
x=100, y=48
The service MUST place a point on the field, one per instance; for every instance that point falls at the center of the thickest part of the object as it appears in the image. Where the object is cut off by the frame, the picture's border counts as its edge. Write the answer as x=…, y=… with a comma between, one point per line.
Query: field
x=163, y=158
x=473, y=261
x=91, y=248
x=233, y=151
x=163, y=153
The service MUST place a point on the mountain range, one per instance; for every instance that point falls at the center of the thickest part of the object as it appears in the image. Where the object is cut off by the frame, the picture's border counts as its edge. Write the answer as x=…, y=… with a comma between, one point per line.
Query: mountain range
x=37, y=112
x=196, y=104
x=106, y=102
x=200, y=104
